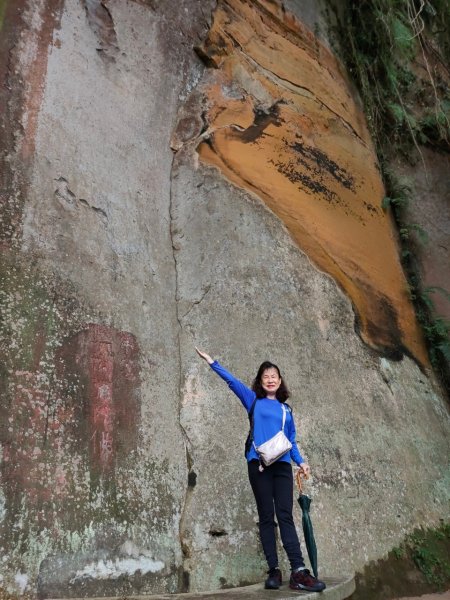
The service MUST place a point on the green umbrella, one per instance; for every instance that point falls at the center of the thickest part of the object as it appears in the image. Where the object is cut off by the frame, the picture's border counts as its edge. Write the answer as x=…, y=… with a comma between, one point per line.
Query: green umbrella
x=308, y=531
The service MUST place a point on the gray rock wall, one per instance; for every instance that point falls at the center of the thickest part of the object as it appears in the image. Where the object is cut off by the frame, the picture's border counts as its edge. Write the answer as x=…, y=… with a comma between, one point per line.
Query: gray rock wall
x=364, y=422
x=122, y=466
x=93, y=273
x=430, y=211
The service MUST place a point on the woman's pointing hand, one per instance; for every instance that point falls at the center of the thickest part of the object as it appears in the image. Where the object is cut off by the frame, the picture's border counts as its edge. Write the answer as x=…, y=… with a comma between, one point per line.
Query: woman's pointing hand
x=205, y=356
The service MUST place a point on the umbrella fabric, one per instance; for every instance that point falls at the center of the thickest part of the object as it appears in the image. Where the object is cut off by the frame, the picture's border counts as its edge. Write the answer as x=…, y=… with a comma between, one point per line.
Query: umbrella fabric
x=308, y=531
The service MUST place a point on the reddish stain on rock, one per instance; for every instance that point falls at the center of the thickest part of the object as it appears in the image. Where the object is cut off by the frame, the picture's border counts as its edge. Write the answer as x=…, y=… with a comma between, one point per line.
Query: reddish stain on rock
x=80, y=417
x=106, y=363
x=101, y=403
x=23, y=447
x=34, y=447
x=27, y=32
x=36, y=71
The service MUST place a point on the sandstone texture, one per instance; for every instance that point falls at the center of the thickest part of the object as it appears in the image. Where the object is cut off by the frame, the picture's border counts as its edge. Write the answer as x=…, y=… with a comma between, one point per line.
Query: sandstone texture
x=158, y=198
x=283, y=123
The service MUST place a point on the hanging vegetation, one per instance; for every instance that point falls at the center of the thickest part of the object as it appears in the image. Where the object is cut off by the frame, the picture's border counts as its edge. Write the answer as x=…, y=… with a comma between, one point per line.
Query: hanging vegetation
x=403, y=105
x=398, y=53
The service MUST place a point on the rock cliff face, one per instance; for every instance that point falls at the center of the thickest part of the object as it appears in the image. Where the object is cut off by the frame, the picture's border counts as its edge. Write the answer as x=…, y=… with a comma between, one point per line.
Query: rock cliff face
x=430, y=209
x=158, y=198
x=282, y=123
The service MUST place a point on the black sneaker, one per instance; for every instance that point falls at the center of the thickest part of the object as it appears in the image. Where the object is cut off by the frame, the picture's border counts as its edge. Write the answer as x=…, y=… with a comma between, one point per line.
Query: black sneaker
x=274, y=580
x=303, y=580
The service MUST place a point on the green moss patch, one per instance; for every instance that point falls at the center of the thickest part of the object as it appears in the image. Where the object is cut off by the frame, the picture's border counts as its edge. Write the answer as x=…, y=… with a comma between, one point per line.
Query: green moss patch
x=419, y=565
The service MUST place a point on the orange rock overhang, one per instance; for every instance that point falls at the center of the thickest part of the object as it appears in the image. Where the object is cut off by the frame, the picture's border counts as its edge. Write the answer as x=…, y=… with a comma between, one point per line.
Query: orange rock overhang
x=283, y=123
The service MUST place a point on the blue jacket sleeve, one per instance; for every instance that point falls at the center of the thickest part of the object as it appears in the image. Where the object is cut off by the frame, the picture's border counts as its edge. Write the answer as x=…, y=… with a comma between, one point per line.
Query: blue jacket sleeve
x=295, y=453
x=245, y=394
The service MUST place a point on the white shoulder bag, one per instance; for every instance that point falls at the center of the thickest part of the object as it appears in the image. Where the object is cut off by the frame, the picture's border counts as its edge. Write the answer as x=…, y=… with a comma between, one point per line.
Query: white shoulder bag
x=273, y=449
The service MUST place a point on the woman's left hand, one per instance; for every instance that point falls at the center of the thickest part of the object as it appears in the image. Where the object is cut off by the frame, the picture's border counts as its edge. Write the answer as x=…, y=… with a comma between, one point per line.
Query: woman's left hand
x=305, y=469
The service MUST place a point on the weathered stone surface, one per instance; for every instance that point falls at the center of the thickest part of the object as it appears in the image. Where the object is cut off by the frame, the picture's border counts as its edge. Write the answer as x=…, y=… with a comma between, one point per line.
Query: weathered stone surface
x=430, y=210
x=282, y=122
x=27, y=30
x=337, y=589
x=248, y=294
x=122, y=456
x=94, y=464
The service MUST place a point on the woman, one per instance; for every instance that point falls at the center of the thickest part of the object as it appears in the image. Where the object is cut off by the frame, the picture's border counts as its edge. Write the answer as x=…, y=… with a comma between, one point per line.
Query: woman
x=272, y=485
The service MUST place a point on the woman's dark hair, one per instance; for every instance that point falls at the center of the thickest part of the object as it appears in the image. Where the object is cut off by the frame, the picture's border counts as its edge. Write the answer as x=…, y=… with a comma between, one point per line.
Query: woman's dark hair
x=282, y=392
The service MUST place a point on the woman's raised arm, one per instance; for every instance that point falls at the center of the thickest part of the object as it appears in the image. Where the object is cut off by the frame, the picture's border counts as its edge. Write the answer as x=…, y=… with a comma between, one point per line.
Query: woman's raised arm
x=245, y=394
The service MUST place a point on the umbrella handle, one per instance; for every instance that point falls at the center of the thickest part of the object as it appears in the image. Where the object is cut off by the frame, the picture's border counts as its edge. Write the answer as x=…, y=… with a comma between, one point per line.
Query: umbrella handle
x=298, y=478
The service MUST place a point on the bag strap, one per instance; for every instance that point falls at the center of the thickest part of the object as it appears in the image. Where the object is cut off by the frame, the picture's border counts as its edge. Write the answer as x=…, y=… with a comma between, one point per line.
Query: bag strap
x=252, y=409
x=283, y=408
x=250, y=433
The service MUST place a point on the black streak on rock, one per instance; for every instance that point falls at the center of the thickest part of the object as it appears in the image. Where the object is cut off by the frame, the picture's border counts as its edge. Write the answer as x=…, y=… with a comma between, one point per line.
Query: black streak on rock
x=206, y=59
x=262, y=120
x=324, y=163
x=217, y=532
x=192, y=479
x=185, y=581
x=370, y=208
x=309, y=184
x=316, y=169
x=387, y=315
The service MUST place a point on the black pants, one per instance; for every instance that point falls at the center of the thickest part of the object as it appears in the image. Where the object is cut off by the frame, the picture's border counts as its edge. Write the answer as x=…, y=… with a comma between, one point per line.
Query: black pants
x=273, y=488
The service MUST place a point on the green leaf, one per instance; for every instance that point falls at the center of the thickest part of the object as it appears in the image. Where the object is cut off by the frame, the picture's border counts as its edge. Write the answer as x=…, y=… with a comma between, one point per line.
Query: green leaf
x=445, y=349
x=397, y=112
x=386, y=202
x=404, y=233
x=403, y=37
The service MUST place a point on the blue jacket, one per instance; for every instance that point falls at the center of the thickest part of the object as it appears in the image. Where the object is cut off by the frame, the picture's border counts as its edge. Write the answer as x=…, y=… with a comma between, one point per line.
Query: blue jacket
x=267, y=417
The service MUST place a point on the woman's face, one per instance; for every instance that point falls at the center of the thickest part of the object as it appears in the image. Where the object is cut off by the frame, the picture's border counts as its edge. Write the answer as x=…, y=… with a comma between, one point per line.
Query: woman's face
x=270, y=381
